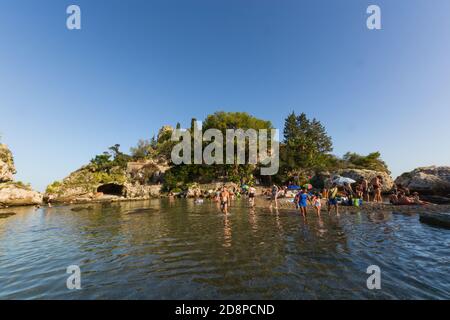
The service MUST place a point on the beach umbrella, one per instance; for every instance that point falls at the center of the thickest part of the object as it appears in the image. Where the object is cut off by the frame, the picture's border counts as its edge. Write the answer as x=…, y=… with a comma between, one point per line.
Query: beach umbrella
x=342, y=180
x=293, y=187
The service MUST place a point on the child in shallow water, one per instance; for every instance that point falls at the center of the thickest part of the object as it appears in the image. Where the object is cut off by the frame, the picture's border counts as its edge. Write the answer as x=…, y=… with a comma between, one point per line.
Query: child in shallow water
x=297, y=200
x=316, y=202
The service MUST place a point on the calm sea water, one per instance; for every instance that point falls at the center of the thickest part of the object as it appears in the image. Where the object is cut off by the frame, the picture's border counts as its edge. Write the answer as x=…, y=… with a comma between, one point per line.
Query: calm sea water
x=178, y=250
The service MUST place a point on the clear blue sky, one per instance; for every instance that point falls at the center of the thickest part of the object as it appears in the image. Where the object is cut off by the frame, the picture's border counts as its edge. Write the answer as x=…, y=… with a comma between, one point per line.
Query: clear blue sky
x=136, y=65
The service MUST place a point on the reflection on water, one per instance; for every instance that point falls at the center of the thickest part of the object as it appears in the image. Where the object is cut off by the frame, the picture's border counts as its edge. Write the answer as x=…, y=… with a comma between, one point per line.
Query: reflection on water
x=162, y=249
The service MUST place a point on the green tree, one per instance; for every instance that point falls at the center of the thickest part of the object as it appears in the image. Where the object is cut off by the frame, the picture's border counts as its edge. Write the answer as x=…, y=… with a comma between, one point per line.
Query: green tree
x=144, y=149
x=180, y=175
x=372, y=161
x=307, y=145
x=110, y=159
x=236, y=120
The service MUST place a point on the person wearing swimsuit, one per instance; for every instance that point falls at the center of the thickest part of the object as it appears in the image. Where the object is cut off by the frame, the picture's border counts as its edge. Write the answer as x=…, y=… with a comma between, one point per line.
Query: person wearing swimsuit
x=274, y=196
x=376, y=184
x=316, y=201
x=332, y=200
x=365, y=189
x=224, y=200
x=303, y=202
x=251, y=196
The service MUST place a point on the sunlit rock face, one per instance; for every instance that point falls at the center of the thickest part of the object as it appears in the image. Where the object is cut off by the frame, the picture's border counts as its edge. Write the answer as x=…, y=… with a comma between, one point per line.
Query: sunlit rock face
x=139, y=180
x=14, y=193
x=432, y=180
x=7, y=169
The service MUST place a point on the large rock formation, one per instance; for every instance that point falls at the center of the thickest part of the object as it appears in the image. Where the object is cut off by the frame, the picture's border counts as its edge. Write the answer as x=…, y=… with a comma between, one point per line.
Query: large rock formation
x=17, y=194
x=436, y=219
x=357, y=174
x=14, y=193
x=7, y=169
x=139, y=180
x=138, y=191
x=83, y=185
x=427, y=180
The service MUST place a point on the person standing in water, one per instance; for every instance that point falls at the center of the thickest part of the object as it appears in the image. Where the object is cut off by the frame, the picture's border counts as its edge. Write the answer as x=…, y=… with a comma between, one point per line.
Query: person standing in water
x=348, y=192
x=365, y=189
x=332, y=199
x=297, y=200
x=251, y=196
x=274, y=196
x=376, y=185
x=325, y=193
x=303, y=202
x=224, y=200
x=316, y=202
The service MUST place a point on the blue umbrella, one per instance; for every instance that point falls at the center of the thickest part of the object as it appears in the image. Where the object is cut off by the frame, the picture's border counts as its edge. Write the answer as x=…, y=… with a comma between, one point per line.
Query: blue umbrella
x=293, y=187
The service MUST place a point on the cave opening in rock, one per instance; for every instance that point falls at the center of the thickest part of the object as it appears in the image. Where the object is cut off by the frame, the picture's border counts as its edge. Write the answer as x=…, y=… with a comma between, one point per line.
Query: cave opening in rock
x=111, y=189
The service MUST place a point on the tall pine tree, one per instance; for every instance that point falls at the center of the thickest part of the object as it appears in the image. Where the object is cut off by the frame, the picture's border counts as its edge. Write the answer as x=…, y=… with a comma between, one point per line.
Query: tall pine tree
x=306, y=144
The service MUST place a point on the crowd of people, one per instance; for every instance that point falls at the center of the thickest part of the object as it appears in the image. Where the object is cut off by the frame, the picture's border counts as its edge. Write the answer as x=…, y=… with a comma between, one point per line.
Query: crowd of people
x=402, y=196
x=347, y=194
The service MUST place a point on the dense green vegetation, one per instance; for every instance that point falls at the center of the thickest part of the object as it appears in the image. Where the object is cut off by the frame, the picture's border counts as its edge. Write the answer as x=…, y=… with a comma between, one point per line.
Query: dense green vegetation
x=372, y=161
x=109, y=160
x=108, y=167
x=306, y=151
x=181, y=175
x=6, y=155
x=306, y=148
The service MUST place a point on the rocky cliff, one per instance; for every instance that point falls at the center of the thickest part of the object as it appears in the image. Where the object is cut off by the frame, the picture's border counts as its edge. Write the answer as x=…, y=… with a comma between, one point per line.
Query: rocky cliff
x=427, y=180
x=139, y=180
x=7, y=169
x=14, y=193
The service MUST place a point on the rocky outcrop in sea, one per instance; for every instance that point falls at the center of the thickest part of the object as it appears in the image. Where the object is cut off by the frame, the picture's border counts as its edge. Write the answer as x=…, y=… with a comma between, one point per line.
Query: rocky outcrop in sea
x=430, y=180
x=14, y=193
x=433, y=182
x=140, y=180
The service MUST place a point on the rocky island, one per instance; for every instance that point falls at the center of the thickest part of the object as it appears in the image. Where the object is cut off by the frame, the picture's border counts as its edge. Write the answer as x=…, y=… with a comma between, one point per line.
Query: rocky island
x=14, y=193
x=148, y=172
x=432, y=182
